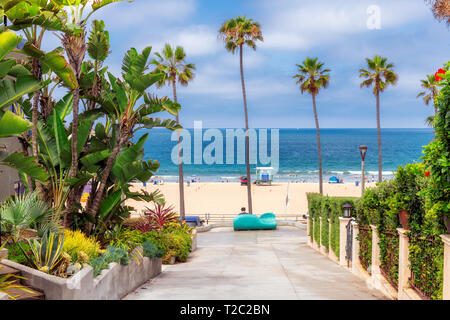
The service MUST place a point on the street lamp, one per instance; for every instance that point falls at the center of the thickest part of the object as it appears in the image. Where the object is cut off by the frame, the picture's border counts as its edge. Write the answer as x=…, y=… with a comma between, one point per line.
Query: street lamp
x=362, y=151
x=347, y=210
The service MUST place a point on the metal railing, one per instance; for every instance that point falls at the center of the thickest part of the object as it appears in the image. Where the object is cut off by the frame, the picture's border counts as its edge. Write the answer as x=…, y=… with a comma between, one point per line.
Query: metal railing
x=389, y=262
x=227, y=217
x=424, y=284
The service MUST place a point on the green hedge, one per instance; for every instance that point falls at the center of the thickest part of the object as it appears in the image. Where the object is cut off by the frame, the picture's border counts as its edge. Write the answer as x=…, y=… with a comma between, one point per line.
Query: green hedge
x=327, y=208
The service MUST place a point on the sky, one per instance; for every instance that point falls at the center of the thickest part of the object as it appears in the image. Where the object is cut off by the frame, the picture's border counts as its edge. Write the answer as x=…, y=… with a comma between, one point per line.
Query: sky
x=335, y=31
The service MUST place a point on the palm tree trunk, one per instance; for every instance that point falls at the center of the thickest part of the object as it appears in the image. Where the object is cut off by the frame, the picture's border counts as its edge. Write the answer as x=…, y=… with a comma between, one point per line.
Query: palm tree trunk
x=380, y=169
x=180, y=160
x=316, y=119
x=109, y=164
x=36, y=69
x=247, y=139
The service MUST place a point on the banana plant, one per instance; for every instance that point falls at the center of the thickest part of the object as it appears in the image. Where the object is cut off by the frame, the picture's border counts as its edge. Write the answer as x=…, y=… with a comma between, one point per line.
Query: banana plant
x=129, y=108
x=70, y=18
x=15, y=82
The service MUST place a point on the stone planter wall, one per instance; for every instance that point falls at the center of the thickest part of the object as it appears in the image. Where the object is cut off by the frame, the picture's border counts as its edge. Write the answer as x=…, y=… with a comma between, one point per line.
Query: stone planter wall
x=112, y=284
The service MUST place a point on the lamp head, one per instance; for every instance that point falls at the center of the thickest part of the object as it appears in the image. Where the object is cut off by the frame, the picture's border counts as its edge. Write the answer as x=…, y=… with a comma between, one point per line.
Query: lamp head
x=347, y=210
x=363, y=151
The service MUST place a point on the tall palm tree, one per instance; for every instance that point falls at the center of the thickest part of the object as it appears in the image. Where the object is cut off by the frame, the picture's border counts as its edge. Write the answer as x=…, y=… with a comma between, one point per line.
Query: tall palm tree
x=429, y=94
x=174, y=67
x=312, y=77
x=378, y=74
x=237, y=32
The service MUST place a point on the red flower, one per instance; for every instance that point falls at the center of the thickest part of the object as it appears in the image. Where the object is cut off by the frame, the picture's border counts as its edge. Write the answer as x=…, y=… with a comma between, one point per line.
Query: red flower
x=439, y=78
x=427, y=174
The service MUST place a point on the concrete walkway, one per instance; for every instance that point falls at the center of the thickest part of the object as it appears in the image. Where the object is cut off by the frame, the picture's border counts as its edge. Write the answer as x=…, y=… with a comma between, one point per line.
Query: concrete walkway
x=255, y=265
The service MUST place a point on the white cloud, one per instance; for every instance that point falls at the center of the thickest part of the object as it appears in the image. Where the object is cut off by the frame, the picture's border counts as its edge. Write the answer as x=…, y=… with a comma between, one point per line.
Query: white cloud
x=297, y=25
x=197, y=40
x=148, y=12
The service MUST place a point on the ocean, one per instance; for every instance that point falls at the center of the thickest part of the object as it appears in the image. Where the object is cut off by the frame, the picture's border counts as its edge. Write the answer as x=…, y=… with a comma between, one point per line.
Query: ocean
x=298, y=160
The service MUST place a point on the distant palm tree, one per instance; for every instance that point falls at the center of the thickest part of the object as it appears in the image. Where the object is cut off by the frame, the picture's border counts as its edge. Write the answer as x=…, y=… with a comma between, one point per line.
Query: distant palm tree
x=172, y=63
x=236, y=33
x=378, y=74
x=312, y=77
x=430, y=93
x=441, y=10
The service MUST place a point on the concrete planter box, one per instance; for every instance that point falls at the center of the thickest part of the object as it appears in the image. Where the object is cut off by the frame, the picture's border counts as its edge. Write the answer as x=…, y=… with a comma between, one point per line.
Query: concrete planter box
x=112, y=284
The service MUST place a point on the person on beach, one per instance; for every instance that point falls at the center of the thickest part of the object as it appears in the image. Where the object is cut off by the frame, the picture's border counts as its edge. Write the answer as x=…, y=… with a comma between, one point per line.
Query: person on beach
x=243, y=211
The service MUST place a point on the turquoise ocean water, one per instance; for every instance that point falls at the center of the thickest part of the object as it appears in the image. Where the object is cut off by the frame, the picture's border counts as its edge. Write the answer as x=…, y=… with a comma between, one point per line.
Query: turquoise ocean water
x=298, y=160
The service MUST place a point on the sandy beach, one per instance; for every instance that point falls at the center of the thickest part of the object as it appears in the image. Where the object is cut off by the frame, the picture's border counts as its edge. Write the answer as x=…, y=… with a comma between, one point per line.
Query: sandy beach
x=228, y=198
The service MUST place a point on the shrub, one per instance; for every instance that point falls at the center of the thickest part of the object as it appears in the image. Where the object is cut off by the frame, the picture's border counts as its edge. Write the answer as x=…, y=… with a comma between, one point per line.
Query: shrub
x=20, y=254
x=112, y=254
x=122, y=237
x=76, y=242
x=151, y=250
x=174, y=240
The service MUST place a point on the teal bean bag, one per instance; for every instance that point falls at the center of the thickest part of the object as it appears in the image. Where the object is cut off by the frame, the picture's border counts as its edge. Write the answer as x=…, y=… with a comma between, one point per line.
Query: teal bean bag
x=266, y=221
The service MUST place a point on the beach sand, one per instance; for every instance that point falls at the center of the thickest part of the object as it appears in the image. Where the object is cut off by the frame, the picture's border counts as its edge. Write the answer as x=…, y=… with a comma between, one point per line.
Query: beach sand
x=228, y=198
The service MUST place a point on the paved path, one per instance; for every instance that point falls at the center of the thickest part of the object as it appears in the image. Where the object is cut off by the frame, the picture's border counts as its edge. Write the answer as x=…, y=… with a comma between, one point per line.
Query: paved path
x=255, y=265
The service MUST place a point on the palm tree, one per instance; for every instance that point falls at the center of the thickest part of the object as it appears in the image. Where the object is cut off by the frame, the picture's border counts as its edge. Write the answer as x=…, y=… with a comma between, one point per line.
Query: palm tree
x=312, y=77
x=430, y=93
x=441, y=10
x=172, y=64
x=378, y=74
x=237, y=32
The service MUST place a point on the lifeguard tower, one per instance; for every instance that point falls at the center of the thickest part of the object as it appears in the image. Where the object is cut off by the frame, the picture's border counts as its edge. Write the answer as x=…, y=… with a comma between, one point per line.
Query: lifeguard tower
x=264, y=175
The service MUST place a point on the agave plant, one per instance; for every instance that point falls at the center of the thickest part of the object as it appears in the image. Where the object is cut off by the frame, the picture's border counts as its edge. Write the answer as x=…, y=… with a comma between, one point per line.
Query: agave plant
x=47, y=251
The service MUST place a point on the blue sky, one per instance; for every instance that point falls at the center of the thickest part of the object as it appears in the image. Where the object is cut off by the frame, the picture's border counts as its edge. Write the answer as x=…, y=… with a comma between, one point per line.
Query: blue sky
x=335, y=31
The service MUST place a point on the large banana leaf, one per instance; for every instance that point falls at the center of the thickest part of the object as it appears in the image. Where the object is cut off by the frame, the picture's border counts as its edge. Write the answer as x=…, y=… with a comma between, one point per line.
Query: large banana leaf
x=98, y=45
x=150, y=123
x=26, y=165
x=86, y=121
x=91, y=159
x=64, y=106
x=8, y=42
x=12, y=125
x=129, y=155
x=109, y=203
x=55, y=61
x=11, y=91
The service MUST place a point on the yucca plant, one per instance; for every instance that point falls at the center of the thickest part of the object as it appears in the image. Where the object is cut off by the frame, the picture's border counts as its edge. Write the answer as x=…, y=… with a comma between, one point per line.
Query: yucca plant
x=47, y=251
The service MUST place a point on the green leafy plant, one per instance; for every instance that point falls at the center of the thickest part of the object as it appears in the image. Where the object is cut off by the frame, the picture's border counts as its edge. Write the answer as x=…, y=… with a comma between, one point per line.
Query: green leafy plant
x=47, y=251
x=112, y=254
x=76, y=243
x=151, y=250
x=21, y=212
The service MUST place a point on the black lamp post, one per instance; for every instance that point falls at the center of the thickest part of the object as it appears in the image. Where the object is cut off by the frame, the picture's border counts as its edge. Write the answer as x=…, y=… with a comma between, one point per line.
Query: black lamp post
x=347, y=210
x=362, y=151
